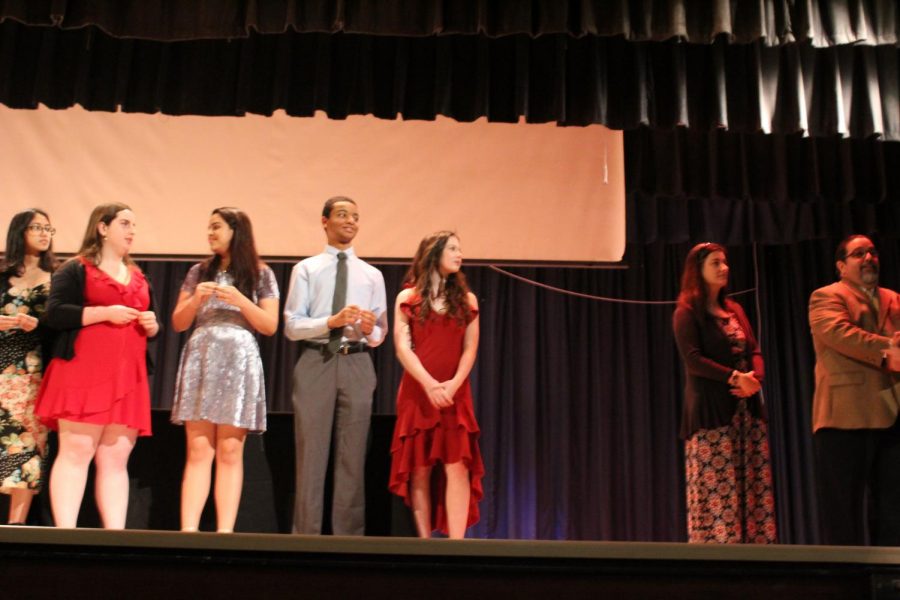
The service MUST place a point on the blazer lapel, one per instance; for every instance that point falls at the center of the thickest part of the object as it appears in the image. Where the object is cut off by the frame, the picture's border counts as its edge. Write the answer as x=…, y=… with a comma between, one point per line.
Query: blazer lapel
x=884, y=302
x=864, y=297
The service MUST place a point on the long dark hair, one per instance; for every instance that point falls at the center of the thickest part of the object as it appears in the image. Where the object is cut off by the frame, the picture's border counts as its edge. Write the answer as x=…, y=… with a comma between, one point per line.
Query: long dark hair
x=245, y=263
x=13, y=264
x=694, y=289
x=92, y=243
x=454, y=289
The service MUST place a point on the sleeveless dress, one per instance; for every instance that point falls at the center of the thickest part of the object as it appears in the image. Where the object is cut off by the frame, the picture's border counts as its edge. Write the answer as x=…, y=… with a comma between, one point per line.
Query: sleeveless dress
x=106, y=381
x=23, y=439
x=220, y=376
x=424, y=435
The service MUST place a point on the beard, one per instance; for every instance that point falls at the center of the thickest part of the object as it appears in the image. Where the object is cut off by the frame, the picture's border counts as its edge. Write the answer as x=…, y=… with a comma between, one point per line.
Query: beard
x=869, y=276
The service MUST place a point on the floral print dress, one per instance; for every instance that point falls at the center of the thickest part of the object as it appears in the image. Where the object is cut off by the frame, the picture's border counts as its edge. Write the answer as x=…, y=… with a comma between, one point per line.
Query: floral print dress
x=23, y=439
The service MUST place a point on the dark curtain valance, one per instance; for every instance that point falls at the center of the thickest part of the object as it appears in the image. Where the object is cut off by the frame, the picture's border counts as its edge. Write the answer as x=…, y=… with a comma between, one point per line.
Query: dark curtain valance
x=773, y=22
x=848, y=90
x=743, y=188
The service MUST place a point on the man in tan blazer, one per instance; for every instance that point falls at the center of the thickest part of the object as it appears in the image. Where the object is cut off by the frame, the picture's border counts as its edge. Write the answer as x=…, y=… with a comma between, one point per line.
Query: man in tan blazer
x=855, y=328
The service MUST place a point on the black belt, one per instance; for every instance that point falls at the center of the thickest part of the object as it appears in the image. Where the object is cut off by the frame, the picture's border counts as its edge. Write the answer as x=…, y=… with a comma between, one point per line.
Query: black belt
x=345, y=348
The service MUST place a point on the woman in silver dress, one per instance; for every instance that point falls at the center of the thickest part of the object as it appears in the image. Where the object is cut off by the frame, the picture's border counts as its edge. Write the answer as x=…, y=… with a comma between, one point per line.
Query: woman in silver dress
x=220, y=392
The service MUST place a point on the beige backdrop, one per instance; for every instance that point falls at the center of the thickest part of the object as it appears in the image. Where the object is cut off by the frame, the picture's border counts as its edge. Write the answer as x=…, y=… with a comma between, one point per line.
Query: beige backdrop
x=512, y=191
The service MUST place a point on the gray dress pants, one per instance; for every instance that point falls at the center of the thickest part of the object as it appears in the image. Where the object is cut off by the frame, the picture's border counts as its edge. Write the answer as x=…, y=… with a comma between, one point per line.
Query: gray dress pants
x=332, y=398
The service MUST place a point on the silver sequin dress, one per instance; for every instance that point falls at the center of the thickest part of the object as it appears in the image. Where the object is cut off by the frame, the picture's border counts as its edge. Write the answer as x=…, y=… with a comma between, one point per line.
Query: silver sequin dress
x=220, y=376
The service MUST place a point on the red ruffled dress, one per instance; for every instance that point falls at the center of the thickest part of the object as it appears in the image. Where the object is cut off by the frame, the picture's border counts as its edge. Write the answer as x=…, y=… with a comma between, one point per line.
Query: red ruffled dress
x=106, y=381
x=425, y=435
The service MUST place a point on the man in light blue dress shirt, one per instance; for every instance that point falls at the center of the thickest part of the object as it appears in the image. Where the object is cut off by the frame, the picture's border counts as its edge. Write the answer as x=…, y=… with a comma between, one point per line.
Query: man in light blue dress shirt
x=334, y=382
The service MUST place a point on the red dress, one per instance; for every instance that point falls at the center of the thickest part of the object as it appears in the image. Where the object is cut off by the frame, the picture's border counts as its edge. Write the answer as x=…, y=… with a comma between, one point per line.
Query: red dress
x=425, y=435
x=106, y=381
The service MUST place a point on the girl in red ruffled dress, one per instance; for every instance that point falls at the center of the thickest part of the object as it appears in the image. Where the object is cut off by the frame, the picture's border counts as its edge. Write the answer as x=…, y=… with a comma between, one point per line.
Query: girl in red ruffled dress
x=95, y=391
x=436, y=464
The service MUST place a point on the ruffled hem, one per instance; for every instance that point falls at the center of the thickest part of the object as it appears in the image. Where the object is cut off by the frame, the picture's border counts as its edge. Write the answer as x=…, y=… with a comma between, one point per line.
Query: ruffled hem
x=416, y=413
x=411, y=422
x=427, y=448
x=93, y=405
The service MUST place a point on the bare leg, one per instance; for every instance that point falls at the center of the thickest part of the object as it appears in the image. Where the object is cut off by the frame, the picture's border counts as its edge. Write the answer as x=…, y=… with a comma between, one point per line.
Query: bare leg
x=229, y=475
x=19, y=505
x=77, y=446
x=111, y=486
x=420, y=498
x=457, y=501
x=201, y=449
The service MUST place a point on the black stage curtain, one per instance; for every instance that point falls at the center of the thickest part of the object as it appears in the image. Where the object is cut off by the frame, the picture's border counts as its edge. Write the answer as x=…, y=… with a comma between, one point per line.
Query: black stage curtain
x=743, y=188
x=579, y=400
x=846, y=90
x=824, y=22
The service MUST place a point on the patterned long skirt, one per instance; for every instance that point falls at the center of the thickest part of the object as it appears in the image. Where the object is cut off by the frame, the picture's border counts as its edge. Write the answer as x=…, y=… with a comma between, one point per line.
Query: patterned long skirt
x=730, y=498
x=23, y=439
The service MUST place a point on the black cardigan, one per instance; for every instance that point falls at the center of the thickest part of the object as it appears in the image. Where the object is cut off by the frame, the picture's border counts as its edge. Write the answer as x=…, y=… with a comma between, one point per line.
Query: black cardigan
x=66, y=305
x=708, y=364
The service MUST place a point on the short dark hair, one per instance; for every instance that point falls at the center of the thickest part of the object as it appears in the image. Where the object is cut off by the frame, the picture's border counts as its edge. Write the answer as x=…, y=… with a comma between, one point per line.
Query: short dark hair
x=841, y=252
x=326, y=210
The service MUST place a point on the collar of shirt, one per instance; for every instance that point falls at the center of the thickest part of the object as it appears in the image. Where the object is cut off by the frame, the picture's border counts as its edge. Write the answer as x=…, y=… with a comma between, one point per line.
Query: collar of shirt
x=334, y=251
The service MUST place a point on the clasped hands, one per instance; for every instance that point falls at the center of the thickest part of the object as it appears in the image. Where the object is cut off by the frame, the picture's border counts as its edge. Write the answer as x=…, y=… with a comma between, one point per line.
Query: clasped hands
x=745, y=384
x=226, y=293
x=440, y=394
x=18, y=321
x=119, y=314
x=351, y=315
x=892, y=354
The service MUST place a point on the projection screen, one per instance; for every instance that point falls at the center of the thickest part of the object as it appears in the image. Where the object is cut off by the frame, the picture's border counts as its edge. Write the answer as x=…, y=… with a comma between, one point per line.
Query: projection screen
x=513, y=192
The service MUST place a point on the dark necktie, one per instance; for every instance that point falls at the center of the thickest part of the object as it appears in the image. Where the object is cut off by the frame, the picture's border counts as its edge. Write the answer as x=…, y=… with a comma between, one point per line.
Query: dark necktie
x=339, y=301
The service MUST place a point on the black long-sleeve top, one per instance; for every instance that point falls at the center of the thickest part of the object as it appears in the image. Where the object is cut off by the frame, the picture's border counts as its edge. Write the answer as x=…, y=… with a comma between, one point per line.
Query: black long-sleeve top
x=708, y=363
x=65, y=307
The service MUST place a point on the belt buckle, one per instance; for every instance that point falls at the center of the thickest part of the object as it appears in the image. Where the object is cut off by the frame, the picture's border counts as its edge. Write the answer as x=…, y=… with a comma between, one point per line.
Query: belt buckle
x=344, y=349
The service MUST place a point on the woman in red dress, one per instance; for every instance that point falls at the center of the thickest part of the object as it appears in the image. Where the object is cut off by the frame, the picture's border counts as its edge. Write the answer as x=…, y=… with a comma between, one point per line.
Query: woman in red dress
x=95, y=390
x=436, y=339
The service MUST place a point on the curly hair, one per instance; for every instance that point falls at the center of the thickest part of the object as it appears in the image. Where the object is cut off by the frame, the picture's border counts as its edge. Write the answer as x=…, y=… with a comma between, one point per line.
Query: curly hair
x=454, y=289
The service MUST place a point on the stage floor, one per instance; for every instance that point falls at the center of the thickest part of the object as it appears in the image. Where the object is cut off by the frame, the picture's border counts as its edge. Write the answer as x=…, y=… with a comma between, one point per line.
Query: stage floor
x=93, y=563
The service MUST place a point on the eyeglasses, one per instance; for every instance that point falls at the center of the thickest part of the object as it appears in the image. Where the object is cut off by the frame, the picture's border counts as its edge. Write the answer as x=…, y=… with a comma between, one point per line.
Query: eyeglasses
x=39, y=228
x=860, y=253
